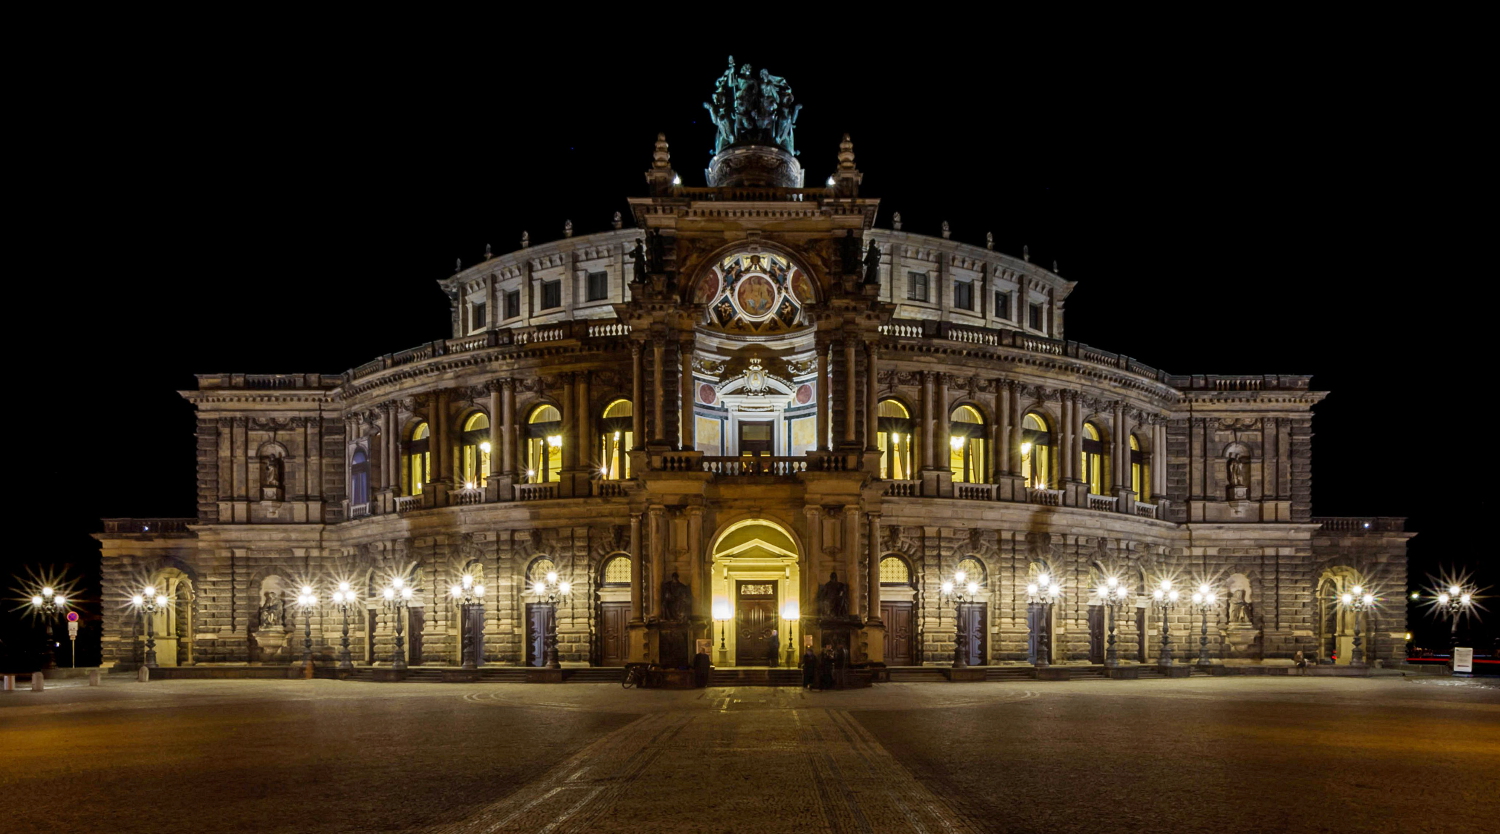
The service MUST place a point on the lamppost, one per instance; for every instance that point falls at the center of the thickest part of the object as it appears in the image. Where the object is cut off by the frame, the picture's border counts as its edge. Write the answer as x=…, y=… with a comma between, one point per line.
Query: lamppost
x=47, y=604
x=552, y=590
x=344, y=599
x=1113, y=594
x=1206, y=600
x=397, y=597
x=721, y=616
x=1043, y=592
x=791, y=612
x=1357, y=601
x=465, y=594
x=1165, y=597
x=1454, y=603
x=307, y=600
x=961, y=590
x=146, y=602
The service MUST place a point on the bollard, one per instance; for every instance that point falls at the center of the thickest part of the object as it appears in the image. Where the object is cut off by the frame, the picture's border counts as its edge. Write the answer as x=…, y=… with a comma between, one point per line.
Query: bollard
x=93, y=677
x=7, y=683
x=38, y=682
x=143, y=674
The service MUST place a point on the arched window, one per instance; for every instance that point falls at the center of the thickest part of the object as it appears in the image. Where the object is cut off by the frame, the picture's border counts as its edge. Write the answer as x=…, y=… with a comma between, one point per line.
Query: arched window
x=543, y=444
x=1095, y=462
x=418, y=468
x=966, y=445
x=539, y=570
x=616, y=439
x=894, y=439
x=1036, y=452
x=617, y=571
x=359, y=478
x=895, y=571
x=972, y=569
x=1140, y=471
x=474, y=451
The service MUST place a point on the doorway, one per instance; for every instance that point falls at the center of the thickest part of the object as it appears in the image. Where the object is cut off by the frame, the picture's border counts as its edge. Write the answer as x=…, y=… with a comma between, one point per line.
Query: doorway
x=971, y=624
x=414, y=636
x=536, y=632
x=898, y=633
x=1096, y=633
x=614, y=620
x=756, y=639
x=472, y=638
x=755, y=437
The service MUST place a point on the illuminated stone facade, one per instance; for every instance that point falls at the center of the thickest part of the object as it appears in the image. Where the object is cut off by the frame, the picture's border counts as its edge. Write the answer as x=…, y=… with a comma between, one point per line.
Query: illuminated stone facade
x=734, y=391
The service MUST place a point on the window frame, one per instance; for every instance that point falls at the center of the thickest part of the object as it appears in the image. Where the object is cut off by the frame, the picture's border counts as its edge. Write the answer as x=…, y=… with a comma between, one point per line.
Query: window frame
x=918, y=279
x=551, y=288
x=967, y=289
x=512, y=304
x=603, y=278
x=1002, y=305
x=1035, y=321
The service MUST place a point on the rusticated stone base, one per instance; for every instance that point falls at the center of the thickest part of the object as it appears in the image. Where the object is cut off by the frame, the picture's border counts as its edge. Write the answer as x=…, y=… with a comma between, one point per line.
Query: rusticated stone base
x=1052, y=673
x=970, y=675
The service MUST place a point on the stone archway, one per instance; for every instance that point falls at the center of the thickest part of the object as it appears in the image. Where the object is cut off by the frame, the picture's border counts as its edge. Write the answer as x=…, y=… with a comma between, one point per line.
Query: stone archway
x=755, y=586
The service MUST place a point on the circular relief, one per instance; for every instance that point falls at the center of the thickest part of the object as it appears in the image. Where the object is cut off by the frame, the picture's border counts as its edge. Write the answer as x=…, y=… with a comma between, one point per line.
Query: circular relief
x=706, y=394
x=756, y=296
x=804, y=395
x=801, y=287
x=707, y=289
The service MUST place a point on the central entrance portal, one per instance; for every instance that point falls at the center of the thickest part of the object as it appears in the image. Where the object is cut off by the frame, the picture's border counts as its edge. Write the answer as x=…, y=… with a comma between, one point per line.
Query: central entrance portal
x=757, y=638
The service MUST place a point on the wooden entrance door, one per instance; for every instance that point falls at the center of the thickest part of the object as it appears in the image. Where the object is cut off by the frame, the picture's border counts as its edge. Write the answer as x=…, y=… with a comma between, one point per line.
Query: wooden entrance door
x=755, y=437
x=898, y=633
x=472, y=636
x=1035, y=628
x=614, y=633
x=536, y=633
x=414, y=636
x=971, y=624
x=755, y=619
x=1096, y=633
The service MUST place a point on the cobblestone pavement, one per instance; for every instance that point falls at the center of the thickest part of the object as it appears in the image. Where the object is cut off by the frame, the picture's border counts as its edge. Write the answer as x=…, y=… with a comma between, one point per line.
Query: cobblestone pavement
x=324, y=756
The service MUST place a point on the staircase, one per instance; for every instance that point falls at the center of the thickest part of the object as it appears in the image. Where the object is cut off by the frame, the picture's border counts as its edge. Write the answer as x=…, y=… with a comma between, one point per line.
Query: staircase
x=917, y=674
x=755, y=677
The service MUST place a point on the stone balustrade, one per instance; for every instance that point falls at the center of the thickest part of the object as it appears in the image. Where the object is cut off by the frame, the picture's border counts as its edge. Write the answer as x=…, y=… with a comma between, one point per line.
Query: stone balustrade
x=1103, y=503
x=149, y=526
x=1047, y=497
x=1361, y=524
x=535, y=492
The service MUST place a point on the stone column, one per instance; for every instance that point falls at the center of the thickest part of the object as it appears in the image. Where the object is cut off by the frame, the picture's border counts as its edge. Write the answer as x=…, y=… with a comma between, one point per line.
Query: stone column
x=872, y=397
x=1122, y=448
x=1075, y=452
x=1013, y=448
x=823, y=397
x=637, y=397
x=636, y=615
x=497, y=433
x=701, y=600
x=925, y=450
x=688, y=429
x=438, y=425
x=508, y=416
x=390, y=462
x=851, y=390
x=872, y=543
x=940, y=423
x=658, y=392
x=569, y=423
x=811, y=564
x=657, y=544
x=1003, y=421
x=583, y=427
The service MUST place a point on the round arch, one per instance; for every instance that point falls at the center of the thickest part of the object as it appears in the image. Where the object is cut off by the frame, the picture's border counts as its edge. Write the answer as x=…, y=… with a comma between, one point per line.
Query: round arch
x=756, y=590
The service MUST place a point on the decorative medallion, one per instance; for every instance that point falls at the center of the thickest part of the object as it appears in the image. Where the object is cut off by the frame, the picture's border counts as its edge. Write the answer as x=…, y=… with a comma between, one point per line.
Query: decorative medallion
x=804, y=395
x=707, y=289
x=756, y=296
x=759, y=292
x=706, y=394
x=802, y=289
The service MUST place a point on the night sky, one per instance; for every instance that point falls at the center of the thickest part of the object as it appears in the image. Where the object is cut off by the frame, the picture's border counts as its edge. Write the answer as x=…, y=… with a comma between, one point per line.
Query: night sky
x=286, y=204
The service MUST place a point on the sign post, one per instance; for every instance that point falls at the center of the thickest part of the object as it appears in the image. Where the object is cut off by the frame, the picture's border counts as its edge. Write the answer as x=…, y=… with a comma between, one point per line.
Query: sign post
x=1463, y=660
x=73, y=635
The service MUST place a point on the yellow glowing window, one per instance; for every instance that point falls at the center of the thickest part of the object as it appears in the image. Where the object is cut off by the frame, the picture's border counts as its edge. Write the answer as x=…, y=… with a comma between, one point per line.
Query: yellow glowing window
x=894, y=440
x=617, y=571
x=474, y=451
x=972, y=569
x=544, y=444
x=1036, y=452
x=1140, y=474
x=1095, y=462
x=616, y=439
x=418, y=468
x=893, y=571
x=966, y=445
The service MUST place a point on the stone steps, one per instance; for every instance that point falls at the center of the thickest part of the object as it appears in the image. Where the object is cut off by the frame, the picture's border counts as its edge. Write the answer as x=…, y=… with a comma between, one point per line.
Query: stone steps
x=755, y=677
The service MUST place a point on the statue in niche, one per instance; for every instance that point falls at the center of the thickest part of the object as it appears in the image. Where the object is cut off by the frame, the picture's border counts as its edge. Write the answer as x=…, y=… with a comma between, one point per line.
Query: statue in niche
x=872, y=264
x=833, y=597
x=1237, y=473
x=639, y=254
x=270, y=612
x=1241, y=611
x=270, y=472
x=676, y=600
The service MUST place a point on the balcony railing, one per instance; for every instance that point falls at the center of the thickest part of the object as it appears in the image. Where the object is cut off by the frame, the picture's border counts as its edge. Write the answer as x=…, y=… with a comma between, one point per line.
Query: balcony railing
x=408, y=503
x=1362, y=524
x=903, y=489
x=1103, y=503
x=535, y=492
x=760, y=465
x=1145, y=510
x=149, y=526
x=1047, y=497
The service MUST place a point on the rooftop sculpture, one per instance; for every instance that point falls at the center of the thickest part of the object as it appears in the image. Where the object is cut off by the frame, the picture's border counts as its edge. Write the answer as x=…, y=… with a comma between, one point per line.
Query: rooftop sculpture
x=753, y=109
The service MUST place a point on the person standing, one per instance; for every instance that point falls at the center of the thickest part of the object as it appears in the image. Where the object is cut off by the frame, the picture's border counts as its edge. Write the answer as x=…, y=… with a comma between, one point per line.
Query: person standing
x=809, y=667
x=773, y=648
x=825, y=668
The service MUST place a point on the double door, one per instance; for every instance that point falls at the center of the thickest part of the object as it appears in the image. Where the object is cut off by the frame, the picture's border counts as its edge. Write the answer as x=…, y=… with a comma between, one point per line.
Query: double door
x=756, y=637
x=899, y=634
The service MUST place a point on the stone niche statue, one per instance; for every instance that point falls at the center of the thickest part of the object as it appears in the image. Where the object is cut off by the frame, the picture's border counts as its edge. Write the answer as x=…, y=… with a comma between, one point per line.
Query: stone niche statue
x=639, y=254
x=872, y=264
x=676, y=600
x=270, y=611
x=272, y=474
x=833, y=597
x=1237, y=472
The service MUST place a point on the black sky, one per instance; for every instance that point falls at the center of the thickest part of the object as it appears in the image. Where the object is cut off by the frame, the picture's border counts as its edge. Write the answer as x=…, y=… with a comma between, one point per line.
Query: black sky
x=1250, y=198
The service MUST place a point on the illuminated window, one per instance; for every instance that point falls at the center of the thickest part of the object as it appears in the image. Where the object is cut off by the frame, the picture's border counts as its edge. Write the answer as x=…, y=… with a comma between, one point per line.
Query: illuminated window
x=1095, y=462
x=617, y=571
x=1036, y=452
x=539, y=570
x=973, y=570
x=359, y=478
x=894, y=439
x=966, y=445
x=543, y=444
x=1140, y=472
x=894, y=571
x=418, y=468
x=616, y=439
x=963, y=295
x=474, y=451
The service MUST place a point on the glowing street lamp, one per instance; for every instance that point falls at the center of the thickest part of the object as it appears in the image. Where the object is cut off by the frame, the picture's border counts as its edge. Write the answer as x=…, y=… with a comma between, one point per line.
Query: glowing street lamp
x=466, y=594
x=1113, y=593
x=791, y=612
x=961, y=589
x=1165, y=597
x=722, y=615
x=1205, y=599
x=307, y=600
x=147, y=602
x=47, y=604
x=552, y=590
x=344, y=599
x=397, y=597
x=1455, y=602
x=1357, y=601
x=1044, y=593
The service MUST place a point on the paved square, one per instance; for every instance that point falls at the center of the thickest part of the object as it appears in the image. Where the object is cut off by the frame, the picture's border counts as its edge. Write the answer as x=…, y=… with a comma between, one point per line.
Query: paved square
x=1242, y=754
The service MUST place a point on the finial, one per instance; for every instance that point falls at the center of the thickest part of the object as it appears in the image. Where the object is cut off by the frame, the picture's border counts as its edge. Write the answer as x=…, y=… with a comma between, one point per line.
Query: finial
x=488, y=253
x=1055, y=270
x=525, y=239
x=896, y=221
x=846, y=154
x=617, y=221
x=946, y=231
x=1026, y=253
x=989, y=240
x=567, y=228
x=458, y=265
x=661, y=158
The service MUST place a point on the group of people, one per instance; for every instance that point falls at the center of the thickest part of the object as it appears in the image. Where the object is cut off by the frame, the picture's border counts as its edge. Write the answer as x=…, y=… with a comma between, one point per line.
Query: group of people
x=826, y=670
